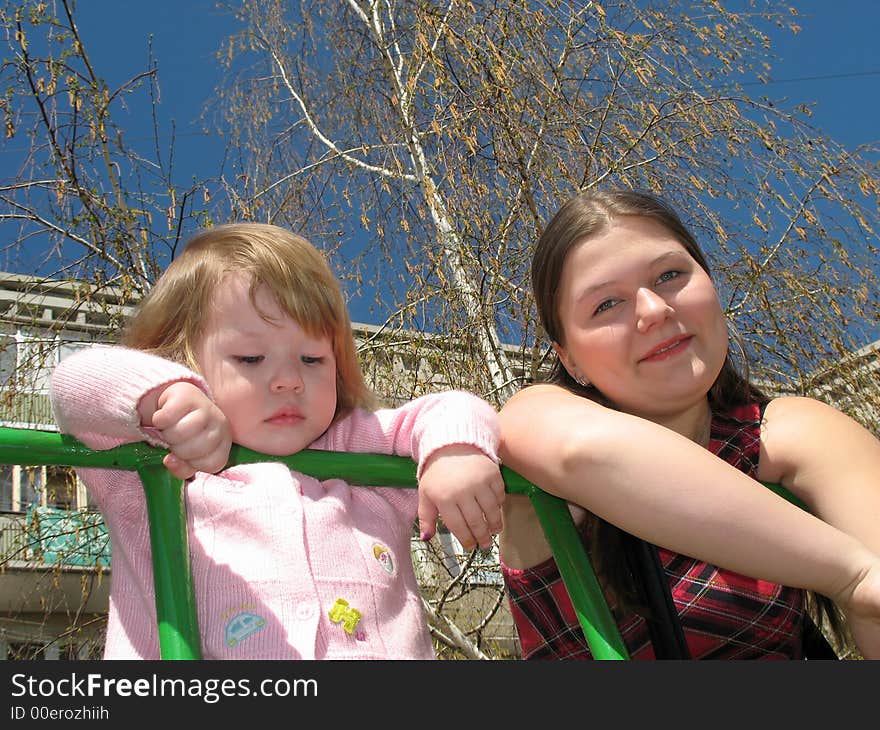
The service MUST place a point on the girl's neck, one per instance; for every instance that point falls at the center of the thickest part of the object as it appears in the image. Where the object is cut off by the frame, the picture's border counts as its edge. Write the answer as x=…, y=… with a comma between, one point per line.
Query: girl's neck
x=694, y=423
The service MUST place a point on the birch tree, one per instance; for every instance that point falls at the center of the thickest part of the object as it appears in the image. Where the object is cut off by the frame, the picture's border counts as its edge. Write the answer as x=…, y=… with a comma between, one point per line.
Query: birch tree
x=426, y=143
x=442, y=135
x=76, y=200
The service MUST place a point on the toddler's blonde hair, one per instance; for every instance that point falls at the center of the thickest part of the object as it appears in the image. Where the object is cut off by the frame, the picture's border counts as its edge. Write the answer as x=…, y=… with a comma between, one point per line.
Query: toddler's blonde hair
x=171, y=319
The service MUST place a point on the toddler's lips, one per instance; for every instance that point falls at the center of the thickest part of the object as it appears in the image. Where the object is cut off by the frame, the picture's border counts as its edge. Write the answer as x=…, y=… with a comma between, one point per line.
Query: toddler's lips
x=285, y=418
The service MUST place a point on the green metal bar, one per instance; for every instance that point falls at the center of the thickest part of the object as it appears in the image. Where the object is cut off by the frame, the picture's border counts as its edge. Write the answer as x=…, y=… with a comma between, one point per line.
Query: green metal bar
x=369, y=470
x=176, y=615
x=175, y=602
x=596, y=620
x=786, y=495
x=177, y=619
x=590, y=607
x=39, y=448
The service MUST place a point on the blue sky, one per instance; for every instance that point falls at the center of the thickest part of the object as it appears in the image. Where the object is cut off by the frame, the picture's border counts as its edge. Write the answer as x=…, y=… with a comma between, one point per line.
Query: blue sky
x=834, y=61
x=833, y=64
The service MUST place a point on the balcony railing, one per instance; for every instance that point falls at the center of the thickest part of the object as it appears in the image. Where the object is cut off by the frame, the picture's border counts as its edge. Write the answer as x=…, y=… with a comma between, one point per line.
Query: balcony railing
x=56, y=537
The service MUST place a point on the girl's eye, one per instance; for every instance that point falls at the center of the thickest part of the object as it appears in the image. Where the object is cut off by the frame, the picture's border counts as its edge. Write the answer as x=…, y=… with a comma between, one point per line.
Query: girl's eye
x=312, y=360
x=249, y=359
x=605, y=306
x=668, y=276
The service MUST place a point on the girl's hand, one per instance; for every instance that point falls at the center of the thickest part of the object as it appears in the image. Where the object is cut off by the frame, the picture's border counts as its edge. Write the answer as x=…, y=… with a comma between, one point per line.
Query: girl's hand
x=464, y=487
x=195, y=429
x=862, y=608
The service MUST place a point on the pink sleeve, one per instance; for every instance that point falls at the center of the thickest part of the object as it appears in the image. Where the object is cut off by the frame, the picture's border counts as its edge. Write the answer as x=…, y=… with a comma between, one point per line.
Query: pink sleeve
x=95, y=393
x=418, y=428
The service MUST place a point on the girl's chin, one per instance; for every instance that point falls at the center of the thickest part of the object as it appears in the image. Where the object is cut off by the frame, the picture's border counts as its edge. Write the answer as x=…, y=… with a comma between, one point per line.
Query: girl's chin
x=269, y=446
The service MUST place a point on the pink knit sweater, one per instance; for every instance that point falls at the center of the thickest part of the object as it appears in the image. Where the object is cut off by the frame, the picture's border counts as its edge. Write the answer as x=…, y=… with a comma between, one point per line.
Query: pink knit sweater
x=282, y=563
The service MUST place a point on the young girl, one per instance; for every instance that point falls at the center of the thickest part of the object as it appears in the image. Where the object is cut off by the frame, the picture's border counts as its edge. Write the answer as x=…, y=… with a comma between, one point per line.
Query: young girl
x=643, y=409
x=245, y=338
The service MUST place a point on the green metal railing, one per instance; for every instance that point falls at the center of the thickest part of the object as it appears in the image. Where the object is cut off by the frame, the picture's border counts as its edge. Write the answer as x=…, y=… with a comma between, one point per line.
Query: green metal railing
x=175, y=602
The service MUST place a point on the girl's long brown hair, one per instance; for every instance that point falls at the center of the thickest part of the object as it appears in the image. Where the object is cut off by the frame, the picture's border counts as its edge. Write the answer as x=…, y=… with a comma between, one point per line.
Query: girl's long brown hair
x=585, y=216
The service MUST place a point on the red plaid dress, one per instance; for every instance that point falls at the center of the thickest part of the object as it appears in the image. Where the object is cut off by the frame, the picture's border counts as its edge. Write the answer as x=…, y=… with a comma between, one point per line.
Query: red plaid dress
x=724, y=615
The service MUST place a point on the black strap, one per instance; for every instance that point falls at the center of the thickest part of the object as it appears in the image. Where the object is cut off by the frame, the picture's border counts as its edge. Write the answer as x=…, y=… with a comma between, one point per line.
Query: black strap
x=816, y=646
x=650, y=579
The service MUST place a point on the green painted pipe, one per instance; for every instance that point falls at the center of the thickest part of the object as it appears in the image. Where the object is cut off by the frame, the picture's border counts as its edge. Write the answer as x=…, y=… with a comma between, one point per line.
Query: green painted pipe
x=175, y=603
x=176, y=615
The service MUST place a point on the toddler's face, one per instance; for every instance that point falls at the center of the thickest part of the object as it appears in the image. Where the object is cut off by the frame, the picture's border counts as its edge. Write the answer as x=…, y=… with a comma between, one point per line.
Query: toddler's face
x=274, y=382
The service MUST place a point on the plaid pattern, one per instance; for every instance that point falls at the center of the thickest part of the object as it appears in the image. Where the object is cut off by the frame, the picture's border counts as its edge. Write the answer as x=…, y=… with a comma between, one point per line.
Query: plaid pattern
x=724, y=615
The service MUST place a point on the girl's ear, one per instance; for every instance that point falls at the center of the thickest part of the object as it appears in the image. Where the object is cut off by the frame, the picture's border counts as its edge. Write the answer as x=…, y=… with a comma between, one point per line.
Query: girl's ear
x=566, y=361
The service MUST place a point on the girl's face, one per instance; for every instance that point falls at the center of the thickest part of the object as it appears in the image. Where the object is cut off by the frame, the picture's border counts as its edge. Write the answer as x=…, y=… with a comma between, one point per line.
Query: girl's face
x=275, y=383
x=642, y=320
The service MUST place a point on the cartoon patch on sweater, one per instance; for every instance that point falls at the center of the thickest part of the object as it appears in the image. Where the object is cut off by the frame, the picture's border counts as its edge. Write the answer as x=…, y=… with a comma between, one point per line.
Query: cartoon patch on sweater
x=243, y=625
x=383, y=555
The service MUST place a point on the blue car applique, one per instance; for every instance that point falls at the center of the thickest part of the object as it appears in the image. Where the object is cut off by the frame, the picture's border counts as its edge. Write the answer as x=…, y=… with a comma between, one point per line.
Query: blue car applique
x=241, y=626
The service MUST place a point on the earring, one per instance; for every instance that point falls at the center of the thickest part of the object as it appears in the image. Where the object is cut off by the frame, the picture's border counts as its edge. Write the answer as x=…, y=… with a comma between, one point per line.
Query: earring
x=582, y=383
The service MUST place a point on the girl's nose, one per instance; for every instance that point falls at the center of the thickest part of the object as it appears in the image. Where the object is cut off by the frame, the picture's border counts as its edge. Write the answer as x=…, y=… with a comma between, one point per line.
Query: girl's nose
x=287, y=378
x=651, y=309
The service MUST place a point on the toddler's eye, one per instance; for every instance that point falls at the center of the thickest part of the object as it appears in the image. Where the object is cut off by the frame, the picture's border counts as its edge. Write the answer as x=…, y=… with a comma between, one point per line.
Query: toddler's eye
x=249, y=359
x=312, y=360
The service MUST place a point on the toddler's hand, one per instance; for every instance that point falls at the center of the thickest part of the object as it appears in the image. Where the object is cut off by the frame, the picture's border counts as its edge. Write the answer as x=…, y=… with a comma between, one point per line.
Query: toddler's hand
x=463, y=486
x=194, y=428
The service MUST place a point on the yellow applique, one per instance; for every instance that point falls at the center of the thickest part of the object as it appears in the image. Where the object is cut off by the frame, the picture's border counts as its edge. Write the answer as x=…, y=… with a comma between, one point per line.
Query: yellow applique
x=346, y=615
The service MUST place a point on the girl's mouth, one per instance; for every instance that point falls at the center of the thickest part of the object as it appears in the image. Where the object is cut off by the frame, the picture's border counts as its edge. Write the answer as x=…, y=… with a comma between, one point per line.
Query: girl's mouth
x=285, y=418
x=667, y=349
